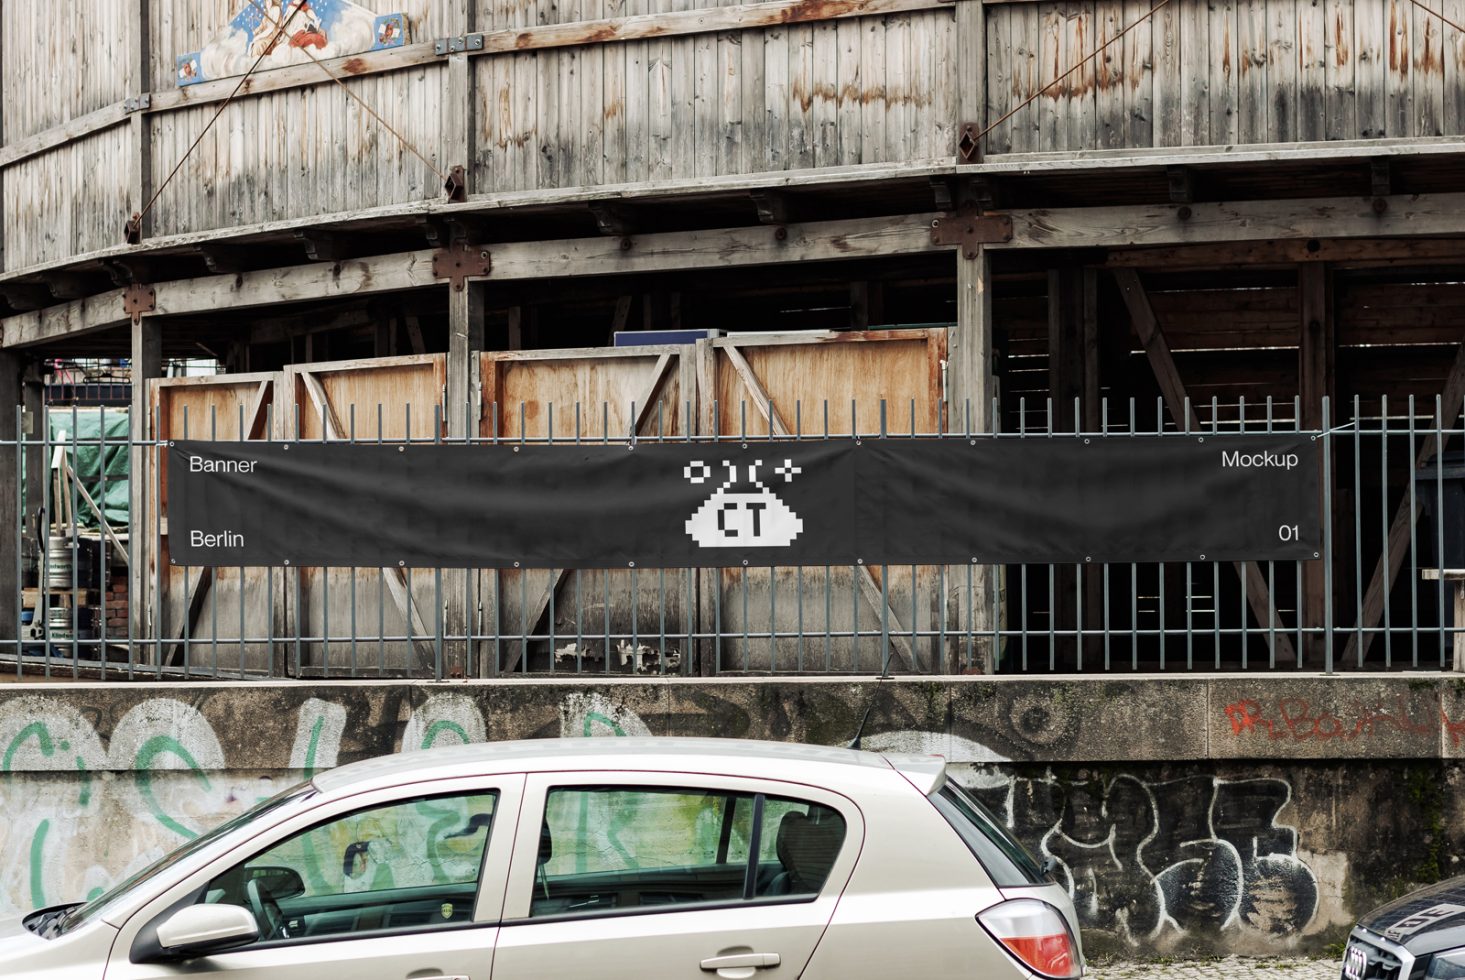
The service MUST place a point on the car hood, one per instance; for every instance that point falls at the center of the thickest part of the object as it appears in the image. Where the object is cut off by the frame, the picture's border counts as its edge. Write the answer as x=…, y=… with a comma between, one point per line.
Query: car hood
x=1425, y=921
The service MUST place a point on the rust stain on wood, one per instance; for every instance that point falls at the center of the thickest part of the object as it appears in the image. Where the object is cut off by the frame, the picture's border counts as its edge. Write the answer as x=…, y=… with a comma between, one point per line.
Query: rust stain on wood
x=817, y=10
x=1226, y=50
x=1398, y=39
x=355, y=66
x=1340, y=40
x=1431, y=59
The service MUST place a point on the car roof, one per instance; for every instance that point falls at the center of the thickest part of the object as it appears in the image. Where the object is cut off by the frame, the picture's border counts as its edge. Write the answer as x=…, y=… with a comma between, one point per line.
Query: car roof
x=730, y=756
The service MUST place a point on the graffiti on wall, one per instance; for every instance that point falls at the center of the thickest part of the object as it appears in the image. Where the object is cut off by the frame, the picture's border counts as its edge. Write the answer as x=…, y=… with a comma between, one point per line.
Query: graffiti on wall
x=1142, y=858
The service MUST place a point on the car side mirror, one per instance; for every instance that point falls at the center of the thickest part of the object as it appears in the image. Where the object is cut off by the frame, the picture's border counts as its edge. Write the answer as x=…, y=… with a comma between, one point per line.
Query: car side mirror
x=197, y=930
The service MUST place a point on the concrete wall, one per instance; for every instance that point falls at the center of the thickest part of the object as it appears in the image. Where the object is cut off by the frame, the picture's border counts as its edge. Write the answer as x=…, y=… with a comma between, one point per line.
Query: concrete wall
x=1187, y=814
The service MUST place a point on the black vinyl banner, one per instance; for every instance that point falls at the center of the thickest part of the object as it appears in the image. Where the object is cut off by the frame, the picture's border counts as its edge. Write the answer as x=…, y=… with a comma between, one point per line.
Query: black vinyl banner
x=671, y=505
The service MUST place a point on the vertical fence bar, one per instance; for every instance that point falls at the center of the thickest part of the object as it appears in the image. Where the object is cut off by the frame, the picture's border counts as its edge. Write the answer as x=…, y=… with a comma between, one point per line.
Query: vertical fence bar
x=1384, y=523
x=38, y=609
x=1446, y=642
x=1358, y=527
x=1413, y=549
x=1327, y=556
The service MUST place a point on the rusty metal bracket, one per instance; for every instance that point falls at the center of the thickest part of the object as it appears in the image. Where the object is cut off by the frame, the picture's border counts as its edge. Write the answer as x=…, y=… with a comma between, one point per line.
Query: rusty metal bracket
x=132, y=230
x=968, y=227
x=455, y=188
x=457, y=263
x=138, y=299
x=969, y=144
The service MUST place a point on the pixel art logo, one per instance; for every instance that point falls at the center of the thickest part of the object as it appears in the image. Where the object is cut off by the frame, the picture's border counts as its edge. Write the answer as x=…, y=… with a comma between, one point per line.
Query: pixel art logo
x=753, y=517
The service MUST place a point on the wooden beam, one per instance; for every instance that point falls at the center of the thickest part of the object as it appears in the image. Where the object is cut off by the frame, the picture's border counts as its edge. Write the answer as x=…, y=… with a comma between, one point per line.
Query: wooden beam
x=140, y=150
x=144, y=510
x=1142, y=315
x=1441, y=214
x=755, y=388
x=188, y=615
x=1392, y=556
x=257, y=425
x=1292, y=251
x=1245, y=221
x=971, y=390
x=465, y=340
x=1157, y=350
x=422, y=637
x=897, y=632
x=77, y=128
x=12, y=519
x=120, y=549
x=646, y=399
x=296, y=76
x=1315, y=355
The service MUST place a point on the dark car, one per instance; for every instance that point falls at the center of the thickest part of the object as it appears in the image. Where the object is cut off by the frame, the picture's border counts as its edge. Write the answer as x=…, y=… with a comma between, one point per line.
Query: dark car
x=1421, y=935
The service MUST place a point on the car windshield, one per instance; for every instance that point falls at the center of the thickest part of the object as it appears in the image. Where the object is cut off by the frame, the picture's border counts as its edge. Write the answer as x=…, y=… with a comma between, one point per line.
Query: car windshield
x=91, y=910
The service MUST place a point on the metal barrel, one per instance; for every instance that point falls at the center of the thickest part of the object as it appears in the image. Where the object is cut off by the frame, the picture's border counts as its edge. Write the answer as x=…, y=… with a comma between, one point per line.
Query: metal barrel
x=58, y=622
x=58, y=562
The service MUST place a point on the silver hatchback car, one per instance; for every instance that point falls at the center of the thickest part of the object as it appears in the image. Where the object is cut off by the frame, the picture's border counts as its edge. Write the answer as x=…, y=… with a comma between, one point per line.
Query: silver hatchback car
x=617, y=857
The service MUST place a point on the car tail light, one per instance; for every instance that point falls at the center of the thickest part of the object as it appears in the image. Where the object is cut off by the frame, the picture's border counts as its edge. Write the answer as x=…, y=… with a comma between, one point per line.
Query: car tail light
x=1036, y=933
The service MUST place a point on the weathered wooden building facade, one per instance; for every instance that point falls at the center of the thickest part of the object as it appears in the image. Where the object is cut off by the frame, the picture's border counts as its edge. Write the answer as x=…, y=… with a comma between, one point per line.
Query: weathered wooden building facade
x=1098, y=215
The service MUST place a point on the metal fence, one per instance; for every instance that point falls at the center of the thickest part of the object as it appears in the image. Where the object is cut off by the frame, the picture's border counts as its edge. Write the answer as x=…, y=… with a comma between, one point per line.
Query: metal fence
x=1382, y=597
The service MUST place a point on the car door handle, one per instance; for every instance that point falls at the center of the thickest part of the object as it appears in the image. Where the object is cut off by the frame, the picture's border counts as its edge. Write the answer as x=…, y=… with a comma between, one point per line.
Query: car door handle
x=736, y=961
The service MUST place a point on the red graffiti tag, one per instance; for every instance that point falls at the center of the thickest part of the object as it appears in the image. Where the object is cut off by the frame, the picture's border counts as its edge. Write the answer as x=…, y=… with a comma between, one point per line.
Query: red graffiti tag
x=1296, y=719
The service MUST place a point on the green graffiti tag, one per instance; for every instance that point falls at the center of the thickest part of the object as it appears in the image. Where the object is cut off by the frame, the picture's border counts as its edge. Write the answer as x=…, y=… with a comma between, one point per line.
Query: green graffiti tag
x=437, y=728
x=164, y=745
x=595, y=716
x=36, y=730
x=38, y=847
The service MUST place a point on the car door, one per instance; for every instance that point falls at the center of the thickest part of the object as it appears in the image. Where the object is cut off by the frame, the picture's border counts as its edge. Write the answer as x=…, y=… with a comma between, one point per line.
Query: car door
x=385, y=885
x=672, y=875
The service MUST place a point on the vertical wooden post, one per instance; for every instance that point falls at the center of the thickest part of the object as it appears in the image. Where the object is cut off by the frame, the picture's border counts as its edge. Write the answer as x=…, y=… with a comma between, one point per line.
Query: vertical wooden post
x=11, y=366
x=709, y=580
x=971, y=388
x=33, y=398
x=1073, y=384
x=1315, y=382
x=971, y=69
x=140, y=181
x=147, y=364
x=465, y=341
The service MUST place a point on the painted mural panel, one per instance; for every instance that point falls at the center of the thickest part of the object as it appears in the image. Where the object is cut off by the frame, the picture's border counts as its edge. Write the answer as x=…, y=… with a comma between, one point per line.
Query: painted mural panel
x=279, y=33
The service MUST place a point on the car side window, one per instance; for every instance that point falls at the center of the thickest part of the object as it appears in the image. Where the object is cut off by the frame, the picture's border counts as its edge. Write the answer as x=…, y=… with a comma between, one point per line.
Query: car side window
x=609, y=849
x=408, y=865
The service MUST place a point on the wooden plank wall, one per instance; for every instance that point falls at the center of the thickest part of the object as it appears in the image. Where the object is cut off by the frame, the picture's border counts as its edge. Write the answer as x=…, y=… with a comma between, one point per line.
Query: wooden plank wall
x=71, y=200
x=1216, y=72
x=586, y=394
x=63, y=60
x=210, y=408
x=835, y=93
x=299, y=152
x=842, y=378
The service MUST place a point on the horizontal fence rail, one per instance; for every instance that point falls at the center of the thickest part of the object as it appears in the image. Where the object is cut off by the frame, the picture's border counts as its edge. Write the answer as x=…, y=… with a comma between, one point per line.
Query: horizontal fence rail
x=97, y=598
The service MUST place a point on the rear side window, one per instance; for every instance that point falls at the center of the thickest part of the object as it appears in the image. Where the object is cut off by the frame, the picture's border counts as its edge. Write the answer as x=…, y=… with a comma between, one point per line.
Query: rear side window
x=1008, y=863
x=612, y=849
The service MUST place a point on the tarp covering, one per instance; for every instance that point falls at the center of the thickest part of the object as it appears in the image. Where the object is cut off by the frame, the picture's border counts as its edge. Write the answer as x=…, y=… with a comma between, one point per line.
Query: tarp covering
x=871, y=501
x=96, y=446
